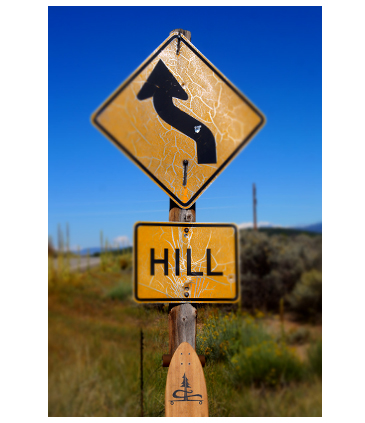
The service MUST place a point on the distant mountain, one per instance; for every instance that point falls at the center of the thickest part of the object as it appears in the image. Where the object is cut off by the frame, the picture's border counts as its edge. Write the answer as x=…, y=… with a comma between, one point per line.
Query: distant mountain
x=96, y=250
x=286, y=231
x=271, y=229
x=91, y=251
x=315, y=227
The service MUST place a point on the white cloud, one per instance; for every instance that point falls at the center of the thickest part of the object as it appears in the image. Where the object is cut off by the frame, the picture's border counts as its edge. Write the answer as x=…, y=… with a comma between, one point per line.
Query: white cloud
x=75, y=248
x=72, y=248
x=246, y=225
x=121, y=241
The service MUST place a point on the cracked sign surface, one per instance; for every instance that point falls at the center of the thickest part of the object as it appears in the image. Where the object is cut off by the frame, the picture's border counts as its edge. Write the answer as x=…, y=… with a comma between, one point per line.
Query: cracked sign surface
x=194, y=262
x=178, y=107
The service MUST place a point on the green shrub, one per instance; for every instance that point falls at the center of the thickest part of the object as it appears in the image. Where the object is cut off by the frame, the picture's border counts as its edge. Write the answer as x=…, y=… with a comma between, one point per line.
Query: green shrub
x=219, y=337
x=271, y=266
x=224, y=335
x=306, y=298
x=297, y=336
x=252, y=332
x=265, y=364
x=253, y=354
x=121, y=292
x=125, y=262
x=315, y=358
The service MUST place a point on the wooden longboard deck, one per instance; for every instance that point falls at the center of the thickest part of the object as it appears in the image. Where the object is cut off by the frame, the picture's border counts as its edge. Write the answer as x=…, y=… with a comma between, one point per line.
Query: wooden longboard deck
x=186, y=391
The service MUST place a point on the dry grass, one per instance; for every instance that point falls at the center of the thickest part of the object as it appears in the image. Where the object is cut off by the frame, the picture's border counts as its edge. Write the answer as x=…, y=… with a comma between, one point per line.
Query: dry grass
x=94, y=356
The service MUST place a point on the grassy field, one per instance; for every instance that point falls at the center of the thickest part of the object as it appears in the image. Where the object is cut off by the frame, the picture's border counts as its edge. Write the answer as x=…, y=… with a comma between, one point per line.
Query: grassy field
x=257, y=365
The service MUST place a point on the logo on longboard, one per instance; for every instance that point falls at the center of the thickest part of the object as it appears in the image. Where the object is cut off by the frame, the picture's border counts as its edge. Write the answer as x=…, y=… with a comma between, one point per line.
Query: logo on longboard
x=186, y=392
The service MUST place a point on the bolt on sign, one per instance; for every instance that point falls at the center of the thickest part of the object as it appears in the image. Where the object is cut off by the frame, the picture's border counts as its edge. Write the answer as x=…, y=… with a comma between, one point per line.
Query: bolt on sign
x=195, y=262
x=179, y=119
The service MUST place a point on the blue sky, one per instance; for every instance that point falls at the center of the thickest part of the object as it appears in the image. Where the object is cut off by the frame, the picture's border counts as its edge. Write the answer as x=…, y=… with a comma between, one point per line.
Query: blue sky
x=272, y=54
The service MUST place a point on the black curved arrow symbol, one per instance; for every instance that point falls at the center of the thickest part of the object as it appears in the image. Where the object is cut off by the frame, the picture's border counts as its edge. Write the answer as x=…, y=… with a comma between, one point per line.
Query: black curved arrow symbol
x=163, y=86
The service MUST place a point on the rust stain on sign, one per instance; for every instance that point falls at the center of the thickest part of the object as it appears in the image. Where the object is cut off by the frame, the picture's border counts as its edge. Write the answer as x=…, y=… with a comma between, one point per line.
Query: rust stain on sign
x=194, y=262
x=175, y=108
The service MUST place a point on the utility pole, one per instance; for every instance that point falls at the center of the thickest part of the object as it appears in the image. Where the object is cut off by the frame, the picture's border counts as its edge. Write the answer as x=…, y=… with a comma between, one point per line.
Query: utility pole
x=254, y=207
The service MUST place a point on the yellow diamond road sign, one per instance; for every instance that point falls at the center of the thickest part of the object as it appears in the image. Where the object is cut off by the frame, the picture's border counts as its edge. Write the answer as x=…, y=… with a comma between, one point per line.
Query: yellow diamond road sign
x=179, y=119
x=194, y=262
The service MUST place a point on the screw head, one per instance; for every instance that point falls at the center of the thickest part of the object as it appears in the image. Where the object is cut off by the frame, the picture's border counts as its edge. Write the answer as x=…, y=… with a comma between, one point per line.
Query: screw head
x=185, y=162
x=186, y=229
x=186, y=294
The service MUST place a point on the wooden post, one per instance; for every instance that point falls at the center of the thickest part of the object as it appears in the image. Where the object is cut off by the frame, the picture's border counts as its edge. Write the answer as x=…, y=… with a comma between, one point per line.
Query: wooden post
x=176, y=214
x=182, y=318
x=182, y=326
x=185, y=33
